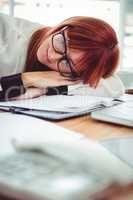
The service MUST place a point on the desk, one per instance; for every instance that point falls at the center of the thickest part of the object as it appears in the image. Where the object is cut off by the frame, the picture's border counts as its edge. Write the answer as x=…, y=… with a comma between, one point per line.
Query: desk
x=95, y=129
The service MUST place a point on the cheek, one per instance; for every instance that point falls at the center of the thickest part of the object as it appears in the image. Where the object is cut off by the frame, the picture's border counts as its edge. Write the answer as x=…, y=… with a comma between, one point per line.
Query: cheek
x=53, y=67
x=42, y=53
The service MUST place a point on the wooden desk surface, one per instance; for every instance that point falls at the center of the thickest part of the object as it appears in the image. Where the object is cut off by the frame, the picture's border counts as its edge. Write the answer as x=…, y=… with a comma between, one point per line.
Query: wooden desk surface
x=95, y=129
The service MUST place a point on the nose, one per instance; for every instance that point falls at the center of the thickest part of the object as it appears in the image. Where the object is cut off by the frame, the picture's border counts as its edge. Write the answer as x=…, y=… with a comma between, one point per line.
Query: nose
x=53, y=56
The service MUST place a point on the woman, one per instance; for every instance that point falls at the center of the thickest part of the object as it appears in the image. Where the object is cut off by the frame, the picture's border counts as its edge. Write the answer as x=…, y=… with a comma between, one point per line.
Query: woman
x=69, y=58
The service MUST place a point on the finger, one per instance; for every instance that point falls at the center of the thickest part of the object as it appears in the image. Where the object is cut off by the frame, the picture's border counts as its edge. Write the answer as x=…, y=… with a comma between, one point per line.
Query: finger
x=73, y=82
x=69, y=78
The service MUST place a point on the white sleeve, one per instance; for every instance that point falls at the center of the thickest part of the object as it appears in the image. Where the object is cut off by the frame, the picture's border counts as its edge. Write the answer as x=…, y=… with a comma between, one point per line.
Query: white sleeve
x=15, y=34
x=110, y=87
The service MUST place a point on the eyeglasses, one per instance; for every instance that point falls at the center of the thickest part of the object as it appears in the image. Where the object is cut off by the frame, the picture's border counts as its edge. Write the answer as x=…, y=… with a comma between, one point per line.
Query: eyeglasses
x=60, y=46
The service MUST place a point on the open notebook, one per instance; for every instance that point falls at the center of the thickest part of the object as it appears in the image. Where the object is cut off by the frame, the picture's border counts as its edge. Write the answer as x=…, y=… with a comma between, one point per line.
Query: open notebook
x=58, y=107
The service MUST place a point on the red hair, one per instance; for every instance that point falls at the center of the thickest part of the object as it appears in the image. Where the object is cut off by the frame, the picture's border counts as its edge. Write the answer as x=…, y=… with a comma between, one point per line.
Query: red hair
x=95, y=37
x=34, y=44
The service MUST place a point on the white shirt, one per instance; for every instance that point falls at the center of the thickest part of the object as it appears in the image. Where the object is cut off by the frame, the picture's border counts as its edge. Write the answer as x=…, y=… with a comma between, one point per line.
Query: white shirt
x=110, y=87
x=14, y=38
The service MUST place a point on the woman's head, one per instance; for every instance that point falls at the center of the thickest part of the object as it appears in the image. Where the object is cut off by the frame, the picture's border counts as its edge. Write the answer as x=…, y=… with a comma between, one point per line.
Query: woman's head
x=91, y=48
x=55, y=51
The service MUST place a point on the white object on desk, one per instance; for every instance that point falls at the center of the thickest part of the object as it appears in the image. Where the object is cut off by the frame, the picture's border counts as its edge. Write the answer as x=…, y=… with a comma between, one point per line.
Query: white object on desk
x=121, y=147
x=57, y=107
x=119, y=114
x=85, y=164
x=30, y=131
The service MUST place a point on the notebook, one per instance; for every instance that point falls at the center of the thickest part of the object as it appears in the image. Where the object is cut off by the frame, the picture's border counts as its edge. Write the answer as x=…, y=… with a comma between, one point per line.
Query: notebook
x=58, y=107
x=119, y=114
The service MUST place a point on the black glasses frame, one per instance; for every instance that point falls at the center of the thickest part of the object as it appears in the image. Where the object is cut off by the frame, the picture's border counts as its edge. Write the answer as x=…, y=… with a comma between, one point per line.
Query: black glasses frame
x=64, y=56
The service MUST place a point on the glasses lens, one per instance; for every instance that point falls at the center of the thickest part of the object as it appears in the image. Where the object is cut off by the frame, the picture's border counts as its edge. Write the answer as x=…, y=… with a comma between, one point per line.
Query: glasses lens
x=64, y=64
x=65, y=69
x=59, y=43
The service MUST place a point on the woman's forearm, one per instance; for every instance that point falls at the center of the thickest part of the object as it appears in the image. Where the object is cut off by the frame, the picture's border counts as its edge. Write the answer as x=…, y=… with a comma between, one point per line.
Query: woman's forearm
x=27, y=79
x=31, y=79
x=45, y=79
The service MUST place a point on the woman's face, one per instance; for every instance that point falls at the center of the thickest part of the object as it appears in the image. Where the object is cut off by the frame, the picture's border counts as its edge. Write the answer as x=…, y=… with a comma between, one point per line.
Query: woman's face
x=51, y=51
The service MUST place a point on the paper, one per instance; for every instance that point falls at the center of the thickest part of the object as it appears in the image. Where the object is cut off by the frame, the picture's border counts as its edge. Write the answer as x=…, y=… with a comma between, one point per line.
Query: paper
x=31, y=129
x=63, y=103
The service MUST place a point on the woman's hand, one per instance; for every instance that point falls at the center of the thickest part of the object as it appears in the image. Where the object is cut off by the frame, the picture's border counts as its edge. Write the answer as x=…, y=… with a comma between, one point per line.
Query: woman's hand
x=115, y=192
x=30, y=94
x=45, y=79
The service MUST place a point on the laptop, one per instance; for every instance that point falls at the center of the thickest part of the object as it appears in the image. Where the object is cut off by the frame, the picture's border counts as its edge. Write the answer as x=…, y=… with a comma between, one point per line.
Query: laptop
x=122, y=147
x=119, y=114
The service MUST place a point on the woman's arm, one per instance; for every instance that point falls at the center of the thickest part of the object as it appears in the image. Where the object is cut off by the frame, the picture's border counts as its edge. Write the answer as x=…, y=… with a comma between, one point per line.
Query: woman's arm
x=33, y=84
x=52, y=81
x=46, y=79
x=12, y=88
